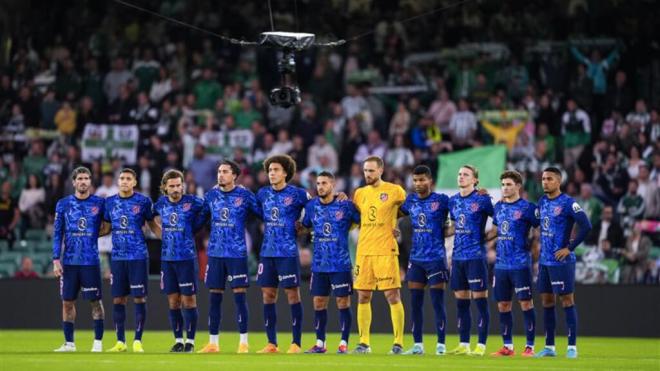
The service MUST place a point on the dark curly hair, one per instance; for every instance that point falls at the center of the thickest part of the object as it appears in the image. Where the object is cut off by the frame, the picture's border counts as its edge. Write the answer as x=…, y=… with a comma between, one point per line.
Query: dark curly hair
x=288, y=164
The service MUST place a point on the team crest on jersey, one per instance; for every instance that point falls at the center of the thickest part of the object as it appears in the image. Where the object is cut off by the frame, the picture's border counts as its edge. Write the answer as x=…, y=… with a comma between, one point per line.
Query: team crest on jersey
x=136, y=209
x=435, y=206
x=474, y=207
x=288, y=201
x=95, y=210
x=383, y=197
x=517, y=214
x=339, y=215
x=186, y=206
x=238, y=201
x=557, y=210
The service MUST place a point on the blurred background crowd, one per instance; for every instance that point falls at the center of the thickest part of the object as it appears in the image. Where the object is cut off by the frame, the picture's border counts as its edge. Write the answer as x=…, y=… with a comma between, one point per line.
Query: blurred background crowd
x=575, y=84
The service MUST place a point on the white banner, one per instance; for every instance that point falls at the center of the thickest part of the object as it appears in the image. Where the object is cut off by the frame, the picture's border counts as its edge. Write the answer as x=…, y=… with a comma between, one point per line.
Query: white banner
x=103, y=141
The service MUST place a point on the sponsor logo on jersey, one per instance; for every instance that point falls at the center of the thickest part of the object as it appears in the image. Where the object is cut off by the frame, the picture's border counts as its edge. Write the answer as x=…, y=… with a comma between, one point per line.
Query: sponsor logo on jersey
x=82, y=224
x=505, y=227
x=123, y=221
x=327, y=229
x=174, y=219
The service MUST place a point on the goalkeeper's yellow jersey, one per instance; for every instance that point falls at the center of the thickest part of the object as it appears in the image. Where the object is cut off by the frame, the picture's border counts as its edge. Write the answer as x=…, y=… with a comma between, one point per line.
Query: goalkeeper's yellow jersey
x=379, y=208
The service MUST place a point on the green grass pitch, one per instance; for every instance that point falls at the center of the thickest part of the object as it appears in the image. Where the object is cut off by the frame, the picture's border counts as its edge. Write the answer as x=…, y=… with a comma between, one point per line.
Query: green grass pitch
x=32, y=350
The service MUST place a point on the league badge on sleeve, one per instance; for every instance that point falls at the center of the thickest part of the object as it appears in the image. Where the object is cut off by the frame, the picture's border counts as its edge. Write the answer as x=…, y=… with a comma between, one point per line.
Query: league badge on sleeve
x=576, y=207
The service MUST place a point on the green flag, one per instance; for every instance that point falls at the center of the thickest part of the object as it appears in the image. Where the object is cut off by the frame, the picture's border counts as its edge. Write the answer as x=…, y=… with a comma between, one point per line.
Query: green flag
x=489, y=160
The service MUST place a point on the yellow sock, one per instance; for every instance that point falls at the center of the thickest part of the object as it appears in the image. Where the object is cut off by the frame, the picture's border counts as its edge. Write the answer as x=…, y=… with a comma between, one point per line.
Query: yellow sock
x=398, y=317
x=364, y=322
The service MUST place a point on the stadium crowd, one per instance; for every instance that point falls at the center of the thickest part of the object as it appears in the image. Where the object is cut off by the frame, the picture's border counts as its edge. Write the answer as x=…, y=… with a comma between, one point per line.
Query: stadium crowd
x=587, y=106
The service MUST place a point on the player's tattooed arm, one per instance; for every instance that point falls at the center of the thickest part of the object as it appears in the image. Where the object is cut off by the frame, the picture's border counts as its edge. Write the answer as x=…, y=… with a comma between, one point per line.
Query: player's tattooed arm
x=105, y=229
x=156, y=226
x=97, y=310
x=449, y=228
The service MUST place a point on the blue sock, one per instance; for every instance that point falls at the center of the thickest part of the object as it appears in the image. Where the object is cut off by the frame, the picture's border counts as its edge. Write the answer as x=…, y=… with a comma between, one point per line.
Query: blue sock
x=215, y=314
x=140, y=319
x=241, y=312
x=119, y=317
x=549, y=323
x=464, y=319
x=176, y=321
x=571, y=324
x=417, y=305
x=506, y=326
x=484, y=319
x=98, y=329
x=190, y=319
x=530, y=325
x=320, y=321
x=296, y=319
x=438, y=301
x=270, y=318
x=346, y=320
x=67, y=327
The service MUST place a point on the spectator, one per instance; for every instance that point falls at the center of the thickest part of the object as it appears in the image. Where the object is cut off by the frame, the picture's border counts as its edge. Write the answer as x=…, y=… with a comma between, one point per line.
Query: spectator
x=10, y=215
x=399, y=157
x=591, y=205
x=48, y=108
x=115, y=79
x=463, y=126
x=649, y=192
x=639, y=118
x=321, y=149
x=31, y=204
x=203, y=169
x=620, y=96
x=631, y=207
x=373, y=147
x=606, y=235
x=575, y=130
x=442, y=109
x=207, y=90
x=27, y=270
x=65, y=119
x=612, y=180
x=400, y=123
x=635, y=256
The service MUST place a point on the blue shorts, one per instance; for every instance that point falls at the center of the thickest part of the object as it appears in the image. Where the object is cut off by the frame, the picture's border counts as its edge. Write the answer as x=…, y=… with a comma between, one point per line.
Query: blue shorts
x=178, y=277
x=219, y=271
x=556, y=279
x=84, y=278
x=520, y=280
x=431, y=273
x=275, y=272
x=341, y=283
x=469, y=275
x=129, y=277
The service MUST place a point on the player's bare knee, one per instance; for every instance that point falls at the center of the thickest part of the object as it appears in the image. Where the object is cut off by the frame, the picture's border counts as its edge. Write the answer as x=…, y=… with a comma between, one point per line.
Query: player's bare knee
x=269, y=295
x=68, y=311
x=567, y=300
x=526, y=305
x=238, y=290
x=343, y=302
x=393, y=296
x=415, y=285
x=548, y=300
x=364, y=297
x=504, y=306
x=293, y=295
x=140, y=300
x=462, y=294
x=479, y=294
x=189, y=301
x=122, y=300
x=217, y=291
x=320, y=302
x=174, y=301
x=442, y=286
x=97, y=310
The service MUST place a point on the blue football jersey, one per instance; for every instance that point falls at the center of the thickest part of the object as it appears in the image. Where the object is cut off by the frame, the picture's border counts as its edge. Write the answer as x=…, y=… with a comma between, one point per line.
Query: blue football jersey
x=280, y=210
x=179, y=220
x=428, y=216
x=513, y=221
x=558, y=215
x=331, y=223
x=469, y=214
x=228, y=212
x=127, y=216
x=76, y=230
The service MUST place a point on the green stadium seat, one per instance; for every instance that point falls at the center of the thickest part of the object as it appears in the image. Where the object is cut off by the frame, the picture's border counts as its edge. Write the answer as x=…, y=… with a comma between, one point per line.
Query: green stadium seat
x=36, y=235
x=43, y=246
x=655, y=252
x=13, y=257
x=612, y=270
x=42, y=257
x=24, y=246
x=7, y=270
